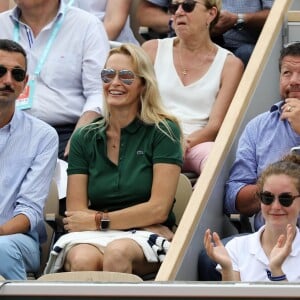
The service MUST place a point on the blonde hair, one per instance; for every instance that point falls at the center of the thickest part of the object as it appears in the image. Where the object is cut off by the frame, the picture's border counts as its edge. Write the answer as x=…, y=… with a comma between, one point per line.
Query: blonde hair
x=151, y=110
x=218, y=5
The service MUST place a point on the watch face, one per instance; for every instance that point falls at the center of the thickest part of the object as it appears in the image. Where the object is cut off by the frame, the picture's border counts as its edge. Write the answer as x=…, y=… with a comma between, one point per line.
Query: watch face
x=104, y=224
x=239, y=25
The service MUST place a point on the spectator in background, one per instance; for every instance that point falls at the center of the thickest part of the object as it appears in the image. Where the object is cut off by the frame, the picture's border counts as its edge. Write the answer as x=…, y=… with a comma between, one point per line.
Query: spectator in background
x=197, y=79
x=115, y=16
x=237, y=30
x=272, y=253
x=122, y=175
x=240, y=24
x=63, y=88
x=259, y=146
x=154, y=15
x=28, y=154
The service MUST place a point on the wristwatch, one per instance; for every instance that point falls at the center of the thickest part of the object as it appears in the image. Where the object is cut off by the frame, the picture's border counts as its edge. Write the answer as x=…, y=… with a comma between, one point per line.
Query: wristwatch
x=104, y=222
x=240, y=23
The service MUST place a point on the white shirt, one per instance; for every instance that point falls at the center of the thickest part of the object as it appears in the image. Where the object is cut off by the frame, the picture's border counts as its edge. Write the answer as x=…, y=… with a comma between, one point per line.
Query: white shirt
x=98, y=8
x=249, y=259
x=69, y=83
x=191, y=104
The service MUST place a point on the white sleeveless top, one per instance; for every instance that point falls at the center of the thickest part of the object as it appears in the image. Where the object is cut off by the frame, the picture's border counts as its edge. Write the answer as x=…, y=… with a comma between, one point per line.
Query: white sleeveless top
x=191, y=104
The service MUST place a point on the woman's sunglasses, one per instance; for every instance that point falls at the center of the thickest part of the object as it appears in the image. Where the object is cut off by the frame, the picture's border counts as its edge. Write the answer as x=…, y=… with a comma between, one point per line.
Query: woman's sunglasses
x=285, y=199
x=18, y=74
x=187, y=5
x=126, y=76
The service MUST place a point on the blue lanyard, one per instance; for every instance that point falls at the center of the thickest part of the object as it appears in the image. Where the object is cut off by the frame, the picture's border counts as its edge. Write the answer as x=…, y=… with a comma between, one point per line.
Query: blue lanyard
x=45, y=53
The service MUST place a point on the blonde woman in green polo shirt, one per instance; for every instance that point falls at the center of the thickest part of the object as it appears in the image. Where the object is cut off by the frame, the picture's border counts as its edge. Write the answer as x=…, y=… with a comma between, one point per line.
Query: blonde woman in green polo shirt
x=122, y=175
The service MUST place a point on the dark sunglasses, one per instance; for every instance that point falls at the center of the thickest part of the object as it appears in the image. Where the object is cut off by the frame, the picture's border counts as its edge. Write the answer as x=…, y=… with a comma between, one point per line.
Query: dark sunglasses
x=187, y=5
x=126, y=76
x=18, y=74
x=285, y=199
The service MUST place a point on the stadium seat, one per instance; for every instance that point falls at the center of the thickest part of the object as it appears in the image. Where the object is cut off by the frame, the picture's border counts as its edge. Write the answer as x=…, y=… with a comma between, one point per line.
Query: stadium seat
x=96, y=276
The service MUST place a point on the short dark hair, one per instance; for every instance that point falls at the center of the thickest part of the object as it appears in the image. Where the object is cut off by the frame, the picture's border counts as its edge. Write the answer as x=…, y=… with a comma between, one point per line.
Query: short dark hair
x=12, y=46
x=292, y=49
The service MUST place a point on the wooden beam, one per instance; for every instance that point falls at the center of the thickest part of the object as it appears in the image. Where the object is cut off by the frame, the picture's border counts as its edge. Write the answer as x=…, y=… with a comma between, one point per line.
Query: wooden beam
x=293, y=16
x=225, y=138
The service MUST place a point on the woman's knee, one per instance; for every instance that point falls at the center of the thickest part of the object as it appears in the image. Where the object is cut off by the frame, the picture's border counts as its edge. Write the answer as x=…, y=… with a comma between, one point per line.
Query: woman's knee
x=196, y=157
x=120, y=255
x=83, y=257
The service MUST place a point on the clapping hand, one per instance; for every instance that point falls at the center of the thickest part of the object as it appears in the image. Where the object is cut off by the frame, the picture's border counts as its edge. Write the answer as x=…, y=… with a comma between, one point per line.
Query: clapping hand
x=216, y=250
x=281, y=250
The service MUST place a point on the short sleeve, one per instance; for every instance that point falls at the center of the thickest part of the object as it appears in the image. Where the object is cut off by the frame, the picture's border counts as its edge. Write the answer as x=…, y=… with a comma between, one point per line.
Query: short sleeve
x=167, y=145
x=77, y=161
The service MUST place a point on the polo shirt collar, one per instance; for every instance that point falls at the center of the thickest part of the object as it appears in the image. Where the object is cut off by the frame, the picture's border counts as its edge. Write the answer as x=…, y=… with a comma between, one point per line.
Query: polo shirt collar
x=255, y=246
x=131, y=128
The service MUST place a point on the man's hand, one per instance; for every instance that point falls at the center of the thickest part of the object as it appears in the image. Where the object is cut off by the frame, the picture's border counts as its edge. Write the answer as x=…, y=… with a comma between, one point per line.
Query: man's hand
x=291, y=112
x=226, y=21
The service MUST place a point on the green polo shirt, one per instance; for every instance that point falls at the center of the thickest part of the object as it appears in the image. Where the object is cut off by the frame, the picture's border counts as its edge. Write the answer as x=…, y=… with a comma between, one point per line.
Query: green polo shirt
x=114, y=187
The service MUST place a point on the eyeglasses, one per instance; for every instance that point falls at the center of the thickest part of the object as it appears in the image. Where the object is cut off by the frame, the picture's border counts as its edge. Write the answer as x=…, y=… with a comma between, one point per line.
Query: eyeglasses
x=285, y=199
x=126, y=76
x=187, y=5
x=18, y=74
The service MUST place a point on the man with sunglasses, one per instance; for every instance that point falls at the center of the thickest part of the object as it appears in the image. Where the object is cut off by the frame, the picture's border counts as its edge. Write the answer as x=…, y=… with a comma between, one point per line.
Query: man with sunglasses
x=63, y=89
x=265, y=139
x=240, y=24
x=28, y=154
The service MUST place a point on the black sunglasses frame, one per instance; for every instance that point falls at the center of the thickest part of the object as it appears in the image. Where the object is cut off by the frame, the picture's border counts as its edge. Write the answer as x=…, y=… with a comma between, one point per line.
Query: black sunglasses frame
x=18, y=74
x=187, y=5
x=120, y=73
x=285, y=199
